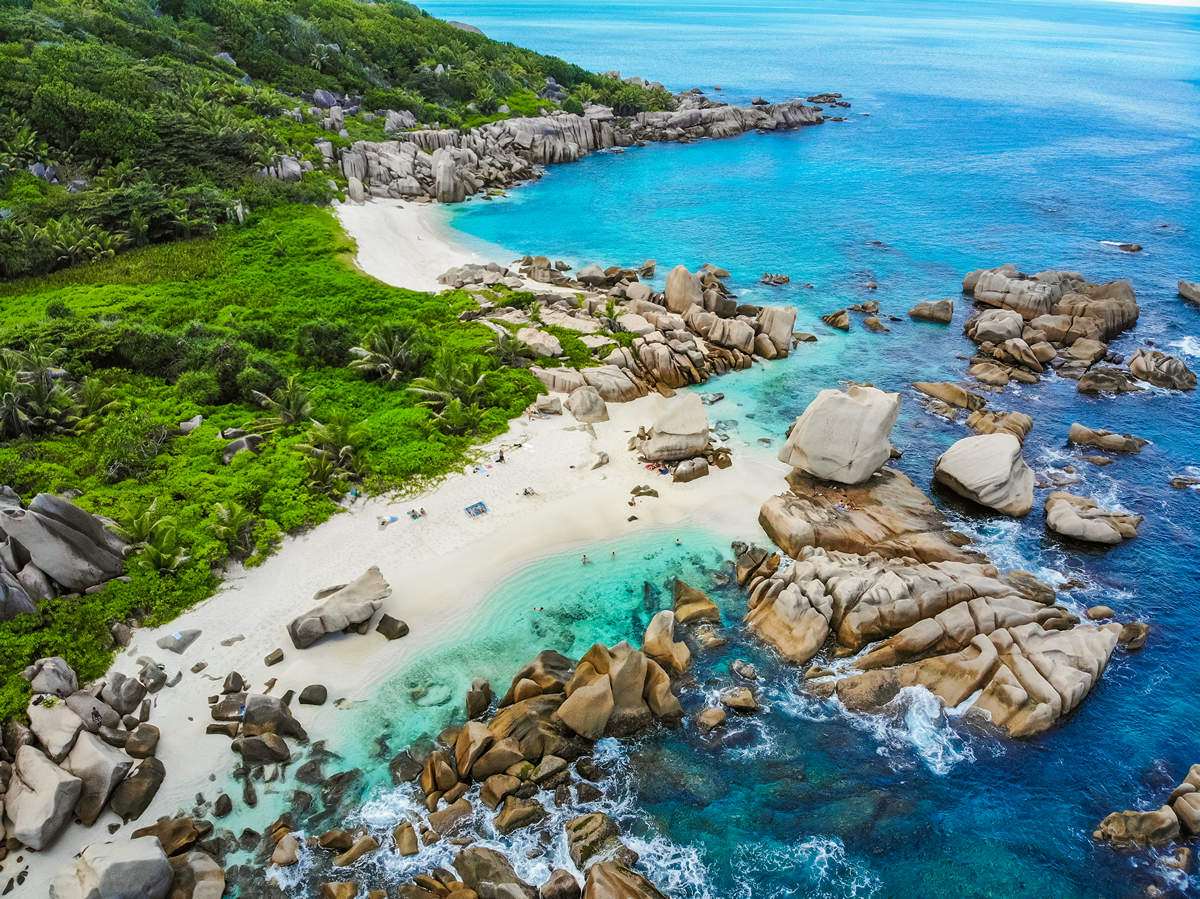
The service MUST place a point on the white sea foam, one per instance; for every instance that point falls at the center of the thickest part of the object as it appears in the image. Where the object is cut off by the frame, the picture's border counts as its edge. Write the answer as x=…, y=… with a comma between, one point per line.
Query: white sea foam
x=816, y=867
x=1187, y=346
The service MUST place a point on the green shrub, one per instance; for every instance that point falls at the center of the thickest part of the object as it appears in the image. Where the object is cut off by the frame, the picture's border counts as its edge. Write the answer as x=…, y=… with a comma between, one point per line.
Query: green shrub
x=199, y=387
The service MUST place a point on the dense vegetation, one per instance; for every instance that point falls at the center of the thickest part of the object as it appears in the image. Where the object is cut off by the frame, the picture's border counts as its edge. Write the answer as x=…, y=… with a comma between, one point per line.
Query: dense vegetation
x=139, y=133
x=155, y=274
x=264, y=327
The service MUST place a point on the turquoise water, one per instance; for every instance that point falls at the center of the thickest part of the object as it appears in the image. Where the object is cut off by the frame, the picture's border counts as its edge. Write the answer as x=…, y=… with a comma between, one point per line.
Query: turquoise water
x=979, y=134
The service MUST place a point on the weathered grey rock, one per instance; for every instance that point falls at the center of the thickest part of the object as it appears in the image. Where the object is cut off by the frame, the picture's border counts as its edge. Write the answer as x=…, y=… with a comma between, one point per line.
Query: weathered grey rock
x=679, y=432
x=134, y=794
x=51, y=675
x=123, y=693
x=250, y=443
x=541, y=342
x=777, y=323
x=487, y=871
x=988, y=469
x=70, y=545
x=682, y=290
x=133, y=868
x=178, y=641
x=843, y=437
x=1080, y=518
x=1105, y=440
x=586, y=404
x=197, y=876
x=40, y=799
x=100, y=767
x=995, y=326
x=1190, y=290
x=14, y=598
x=612, y=880
x=1161, y=370
x=56, y=726
x=353, y=604
x=939, y=311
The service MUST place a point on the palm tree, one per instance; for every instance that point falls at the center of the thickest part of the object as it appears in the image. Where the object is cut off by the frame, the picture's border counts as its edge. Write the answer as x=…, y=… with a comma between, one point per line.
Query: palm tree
x=389, y=352
x=93, y=400
x=340, y=443
x=140, y=528
x=507, y=350
x=162, y=553
x=13, y=420
x=459, y=418
x=289, y=405
x=451, y=378
x=234, y=527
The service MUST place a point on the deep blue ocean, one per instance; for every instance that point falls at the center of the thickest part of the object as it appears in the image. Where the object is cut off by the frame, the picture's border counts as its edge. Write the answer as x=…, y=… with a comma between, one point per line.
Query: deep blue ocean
x=978, y=134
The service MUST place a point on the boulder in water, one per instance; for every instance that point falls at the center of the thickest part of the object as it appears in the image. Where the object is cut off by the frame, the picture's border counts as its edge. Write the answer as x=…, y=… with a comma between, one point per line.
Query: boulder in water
x=988, y=469
x=937, y=311
x=1161, y=370
x=682, y=290
x=1080, y=518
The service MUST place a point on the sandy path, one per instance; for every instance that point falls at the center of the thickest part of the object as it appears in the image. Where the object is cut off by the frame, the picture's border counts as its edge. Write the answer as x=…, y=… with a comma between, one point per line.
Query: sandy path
x=440, y=566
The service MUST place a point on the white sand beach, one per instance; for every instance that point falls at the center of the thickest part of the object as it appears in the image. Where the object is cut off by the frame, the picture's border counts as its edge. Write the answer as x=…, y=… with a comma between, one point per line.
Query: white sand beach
x=440, y=566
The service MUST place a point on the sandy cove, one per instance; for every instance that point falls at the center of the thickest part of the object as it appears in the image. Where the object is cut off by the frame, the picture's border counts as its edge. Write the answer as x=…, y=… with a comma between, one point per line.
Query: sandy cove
x=432, y=590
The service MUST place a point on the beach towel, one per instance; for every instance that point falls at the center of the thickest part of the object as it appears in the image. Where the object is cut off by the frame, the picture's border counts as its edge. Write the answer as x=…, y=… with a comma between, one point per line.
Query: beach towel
x=476, y=509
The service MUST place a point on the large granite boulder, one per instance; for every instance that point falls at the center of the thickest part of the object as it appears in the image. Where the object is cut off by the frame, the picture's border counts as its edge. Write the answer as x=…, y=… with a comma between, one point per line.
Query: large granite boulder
x=660, y=644
x=101, y=768
x=55, y=724
x=613, y=880
x=1138, y=830
x=843, y=436
x=71, y=546
x=51, y=675
x=1190, y=291
x=40, y=799
x=937, y=311
x=995, y=326
x=489, y=873
x=134, y=794
x=777, y=324
x=197, y=876
x=541, y=342
x=679, y=432
x=682, y=290
x=1161, y=370
x=1080, y=518
x=586, y=404
x=888, y=516
x=990, y=470
x=134, y=869
x=353, y=604
x=14, y=598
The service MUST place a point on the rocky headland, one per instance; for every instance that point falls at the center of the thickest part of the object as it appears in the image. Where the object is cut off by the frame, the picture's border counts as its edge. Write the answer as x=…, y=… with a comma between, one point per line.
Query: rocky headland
x=448, y=165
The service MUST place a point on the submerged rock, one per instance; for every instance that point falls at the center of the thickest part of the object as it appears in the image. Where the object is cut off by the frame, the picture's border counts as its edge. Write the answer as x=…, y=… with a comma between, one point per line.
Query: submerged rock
x=1081, y=518
x=1105, y=440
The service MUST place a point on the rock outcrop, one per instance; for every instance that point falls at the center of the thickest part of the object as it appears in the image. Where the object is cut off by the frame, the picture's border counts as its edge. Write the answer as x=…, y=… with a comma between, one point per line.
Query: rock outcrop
x=343, y=607
x=1176, y=820
x=1105, y=440
x=679, y=432
x=1080, y=518
x=843, y=436
x=988, y=469
x=53, y=540
x=1157, y=368
x=40, y=799
x=117, y=871
x=879, y=570
x=449, y=165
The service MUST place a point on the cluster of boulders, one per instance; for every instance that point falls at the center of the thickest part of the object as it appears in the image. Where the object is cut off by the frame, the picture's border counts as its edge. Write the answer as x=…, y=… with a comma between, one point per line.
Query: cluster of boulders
x=52, y=548
x=492, y=775
x=449, y=165
x=876, y=563
x=680, y=439
x=1176, y=820
x=1062, y=321
x=85, y=750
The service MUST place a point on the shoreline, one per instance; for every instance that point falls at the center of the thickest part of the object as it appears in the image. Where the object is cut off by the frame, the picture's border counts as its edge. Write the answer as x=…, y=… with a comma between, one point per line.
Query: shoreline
x=431, y=591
